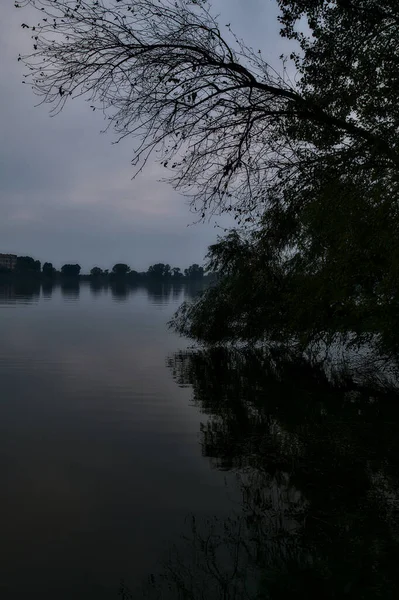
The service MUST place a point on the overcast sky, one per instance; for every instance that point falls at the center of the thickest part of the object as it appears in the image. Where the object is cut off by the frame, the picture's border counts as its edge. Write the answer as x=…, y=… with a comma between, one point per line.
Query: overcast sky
x=66, y=193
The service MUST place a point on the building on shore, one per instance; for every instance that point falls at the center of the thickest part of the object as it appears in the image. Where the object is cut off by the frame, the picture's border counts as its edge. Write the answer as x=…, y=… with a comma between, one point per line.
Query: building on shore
x=8, y=261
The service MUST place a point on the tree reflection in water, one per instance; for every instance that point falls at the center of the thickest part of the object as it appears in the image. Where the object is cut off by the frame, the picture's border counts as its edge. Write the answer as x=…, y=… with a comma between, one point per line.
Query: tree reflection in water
x=317, y=465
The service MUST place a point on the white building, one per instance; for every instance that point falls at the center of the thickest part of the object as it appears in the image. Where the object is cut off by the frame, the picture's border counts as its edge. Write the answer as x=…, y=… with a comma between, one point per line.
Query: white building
x=8, y=261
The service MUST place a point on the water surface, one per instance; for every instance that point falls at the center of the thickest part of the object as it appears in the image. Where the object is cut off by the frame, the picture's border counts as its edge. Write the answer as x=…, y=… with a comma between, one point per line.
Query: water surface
x=126, y=454
x=99, y=451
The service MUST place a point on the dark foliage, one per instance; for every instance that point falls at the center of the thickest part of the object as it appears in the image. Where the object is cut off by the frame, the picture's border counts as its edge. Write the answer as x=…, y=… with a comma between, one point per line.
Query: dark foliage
x=48, y=270
x=96, y=272
x=307, y=166
x=27, y=265
x=70, y=270
x=120, y=270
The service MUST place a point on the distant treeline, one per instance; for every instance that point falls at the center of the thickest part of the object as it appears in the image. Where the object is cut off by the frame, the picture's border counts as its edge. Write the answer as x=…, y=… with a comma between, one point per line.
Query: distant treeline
x=26, y=266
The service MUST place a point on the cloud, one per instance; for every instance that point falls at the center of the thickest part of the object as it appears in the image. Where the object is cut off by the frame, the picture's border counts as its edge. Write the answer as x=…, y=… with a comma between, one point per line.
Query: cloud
x=66, y=191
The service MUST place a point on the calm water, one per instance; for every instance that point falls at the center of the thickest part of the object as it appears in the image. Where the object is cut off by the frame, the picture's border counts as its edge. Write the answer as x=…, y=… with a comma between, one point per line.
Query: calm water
x=100, y=457
x=124, y=453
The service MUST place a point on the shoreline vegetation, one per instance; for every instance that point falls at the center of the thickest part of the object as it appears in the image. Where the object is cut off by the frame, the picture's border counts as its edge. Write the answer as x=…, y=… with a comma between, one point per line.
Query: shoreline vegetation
x=27, y=268
x=302, y=153
x=298, y=364
x=341, y=355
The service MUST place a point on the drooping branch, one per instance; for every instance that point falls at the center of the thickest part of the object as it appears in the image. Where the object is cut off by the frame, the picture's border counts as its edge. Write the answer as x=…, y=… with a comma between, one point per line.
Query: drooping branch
x=219, y=115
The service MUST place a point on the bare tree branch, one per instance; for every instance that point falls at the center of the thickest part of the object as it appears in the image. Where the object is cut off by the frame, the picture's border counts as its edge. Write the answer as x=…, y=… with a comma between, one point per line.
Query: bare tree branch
x=220, y=117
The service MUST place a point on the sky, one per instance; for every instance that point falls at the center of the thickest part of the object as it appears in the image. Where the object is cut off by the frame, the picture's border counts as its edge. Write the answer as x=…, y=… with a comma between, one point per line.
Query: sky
x=66, y=192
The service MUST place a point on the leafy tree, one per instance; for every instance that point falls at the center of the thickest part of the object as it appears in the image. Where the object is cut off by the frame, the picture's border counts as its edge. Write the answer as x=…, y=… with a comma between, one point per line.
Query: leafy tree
x=194, y=272
x=307, y=165
x=70, y=270
x=176, y=273
x=96, y=272
x=120, y=269
x=159, y=270
x=27, y=264
x=48, y=270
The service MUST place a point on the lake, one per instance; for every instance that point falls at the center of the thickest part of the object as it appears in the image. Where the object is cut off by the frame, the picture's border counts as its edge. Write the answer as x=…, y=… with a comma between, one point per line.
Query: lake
x=127, y=455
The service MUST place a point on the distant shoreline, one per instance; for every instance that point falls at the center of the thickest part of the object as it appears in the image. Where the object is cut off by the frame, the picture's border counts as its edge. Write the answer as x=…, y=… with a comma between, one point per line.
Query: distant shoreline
x=111, y=277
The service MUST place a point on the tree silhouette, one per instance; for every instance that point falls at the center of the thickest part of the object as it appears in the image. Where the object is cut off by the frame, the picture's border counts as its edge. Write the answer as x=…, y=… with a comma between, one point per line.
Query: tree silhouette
x=48, y=270
x=120, y=269
x=27, y=264
x=159, y=270
x=306, y=165
x=96, y=272
x=70, y=270
x=167, y=74
x=194, y=272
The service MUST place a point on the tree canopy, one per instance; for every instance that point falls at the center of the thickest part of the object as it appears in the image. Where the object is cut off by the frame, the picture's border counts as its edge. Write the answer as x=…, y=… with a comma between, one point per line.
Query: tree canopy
x=159, y=270
x=308, y=165
x=120, y=269
x=96, y=272
x=27, y=265
x=70, y=270
x=48, y=270
x=194, y=271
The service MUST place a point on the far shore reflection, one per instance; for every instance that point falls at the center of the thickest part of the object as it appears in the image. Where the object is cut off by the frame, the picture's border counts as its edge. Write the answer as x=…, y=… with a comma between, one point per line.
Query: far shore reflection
x=23, y=292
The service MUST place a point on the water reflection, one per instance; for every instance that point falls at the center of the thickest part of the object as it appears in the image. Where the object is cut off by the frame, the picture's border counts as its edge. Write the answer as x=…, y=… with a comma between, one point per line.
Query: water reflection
x=121, y=290
x=48, y=288
x=158, y=292
x=317, y=466
x=92, y=423
x=193, y=288
x=19, y=292
x=96, y=287
x=7, y=294
x=70, y=288
x=177, y=290
x=99, y=455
